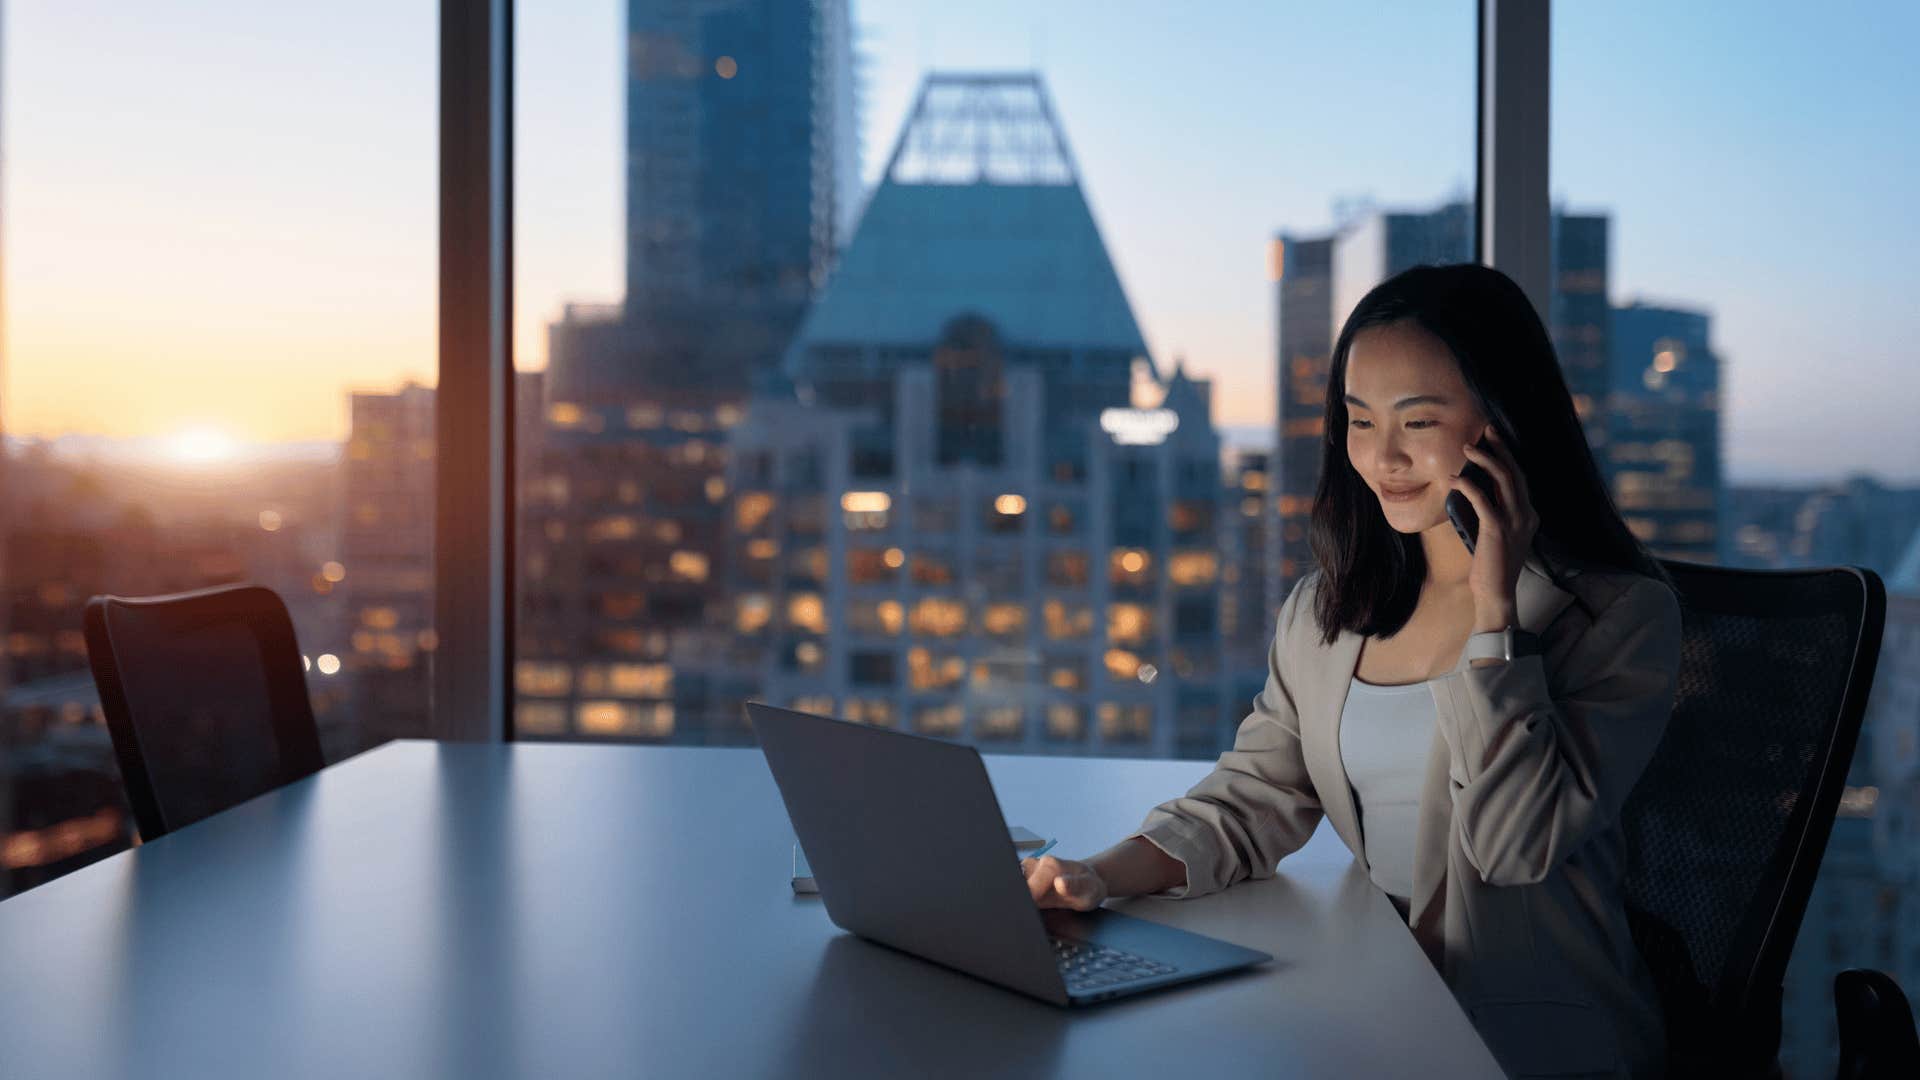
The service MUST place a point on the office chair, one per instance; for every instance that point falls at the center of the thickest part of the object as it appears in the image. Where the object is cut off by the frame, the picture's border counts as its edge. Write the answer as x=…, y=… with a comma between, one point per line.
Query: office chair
x=1727, y=825
x=205, y=697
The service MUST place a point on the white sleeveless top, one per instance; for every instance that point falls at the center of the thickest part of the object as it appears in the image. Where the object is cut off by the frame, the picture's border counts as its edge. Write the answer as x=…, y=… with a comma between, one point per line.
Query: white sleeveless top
x=1385, y=733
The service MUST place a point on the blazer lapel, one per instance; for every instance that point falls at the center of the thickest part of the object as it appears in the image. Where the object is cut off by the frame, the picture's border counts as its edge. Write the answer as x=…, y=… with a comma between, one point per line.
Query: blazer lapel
x=1323, y=699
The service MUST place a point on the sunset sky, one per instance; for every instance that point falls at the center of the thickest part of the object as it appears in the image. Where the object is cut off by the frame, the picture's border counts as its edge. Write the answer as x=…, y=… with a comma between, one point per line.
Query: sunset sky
x=221, y=217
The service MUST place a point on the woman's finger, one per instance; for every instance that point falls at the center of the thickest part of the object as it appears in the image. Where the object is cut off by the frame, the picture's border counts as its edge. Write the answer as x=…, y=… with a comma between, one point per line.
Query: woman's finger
x=1074, y=888
x=1502, y=479
x=1041, y=874
x=1523, y=500
x=1478, y=499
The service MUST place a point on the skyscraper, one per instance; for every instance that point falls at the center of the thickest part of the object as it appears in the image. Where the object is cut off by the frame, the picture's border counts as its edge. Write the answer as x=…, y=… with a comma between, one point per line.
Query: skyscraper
x=742, y=162
x=385, y=570
x=1579, y=320
x=951, y=517
x=1662, y=453
x=739, y=153
x=1303, y=271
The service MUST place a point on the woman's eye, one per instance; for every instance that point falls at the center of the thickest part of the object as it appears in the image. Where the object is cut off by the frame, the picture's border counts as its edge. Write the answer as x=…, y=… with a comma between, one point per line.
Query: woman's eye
x=1361, y=424
x=1421, y=423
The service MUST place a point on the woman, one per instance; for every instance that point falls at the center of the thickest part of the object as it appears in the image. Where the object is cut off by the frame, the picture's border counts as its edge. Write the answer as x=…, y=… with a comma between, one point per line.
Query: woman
x=1469, y=721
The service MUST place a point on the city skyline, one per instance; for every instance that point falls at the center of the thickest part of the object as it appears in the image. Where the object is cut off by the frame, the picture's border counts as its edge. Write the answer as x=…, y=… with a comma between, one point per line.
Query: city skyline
x=71, y=371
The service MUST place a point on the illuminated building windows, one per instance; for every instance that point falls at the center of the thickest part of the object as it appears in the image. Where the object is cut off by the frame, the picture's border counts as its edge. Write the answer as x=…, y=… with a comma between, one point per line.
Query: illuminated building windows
x=751, y=510
x=1128, y=624
x=871, y=566
x=1067, y=622
x=866, y=510
x=806, y=612
x=1189, y=519
x=1066, y=673
x=751, y=613
x=1125, y=723
x=1067, y=569
x=1130, y=567
x=938, y=617
x=1193, y=568
x=876, y=617
x=539, y=718
x=877, y=712
x=930, y=568
x=999, y=674
x=939, y=720
x=1063, y=519
x=638, y=680
x=607, y=718
x=817, y=704
x=622, y=605
x=1121, y=664
x=616, y=527
x=806, y=657
x=539, y=678
x=807, y=567
x=1004, y=514
x=1004, y=620
x=1066, y=721
x=688, y=565
x=927, y=671
x=1000, y=722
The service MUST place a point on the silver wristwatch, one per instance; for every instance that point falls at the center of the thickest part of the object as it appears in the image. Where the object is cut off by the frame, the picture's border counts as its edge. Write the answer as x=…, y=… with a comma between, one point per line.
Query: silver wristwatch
x=1507, y=644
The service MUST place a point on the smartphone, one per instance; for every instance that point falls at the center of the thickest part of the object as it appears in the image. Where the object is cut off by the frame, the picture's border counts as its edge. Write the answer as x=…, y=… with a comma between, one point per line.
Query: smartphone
x=1460, y=511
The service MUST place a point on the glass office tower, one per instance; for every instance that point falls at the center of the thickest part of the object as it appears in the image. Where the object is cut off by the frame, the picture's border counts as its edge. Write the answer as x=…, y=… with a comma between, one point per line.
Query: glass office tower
x=1663, y=451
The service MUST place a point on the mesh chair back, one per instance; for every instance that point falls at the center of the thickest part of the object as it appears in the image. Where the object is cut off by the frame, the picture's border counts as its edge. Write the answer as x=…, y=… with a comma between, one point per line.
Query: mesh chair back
x=205, y=698
x=1727, y=826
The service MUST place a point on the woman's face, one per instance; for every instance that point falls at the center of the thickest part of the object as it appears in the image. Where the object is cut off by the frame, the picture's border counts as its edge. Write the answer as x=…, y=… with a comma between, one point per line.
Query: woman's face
x=1408, y=414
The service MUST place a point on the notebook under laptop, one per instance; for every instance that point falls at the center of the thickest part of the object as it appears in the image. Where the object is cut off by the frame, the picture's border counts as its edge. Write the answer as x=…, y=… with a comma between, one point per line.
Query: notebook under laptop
x=909, y=848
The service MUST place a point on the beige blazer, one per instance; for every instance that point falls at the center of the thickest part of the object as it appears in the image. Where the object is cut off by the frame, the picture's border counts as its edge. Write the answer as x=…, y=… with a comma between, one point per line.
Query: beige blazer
x=1518, y=850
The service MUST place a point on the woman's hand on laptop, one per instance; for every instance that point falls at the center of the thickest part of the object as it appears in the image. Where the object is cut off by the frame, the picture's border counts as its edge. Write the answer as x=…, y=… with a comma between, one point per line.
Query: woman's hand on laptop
x=1064, y=883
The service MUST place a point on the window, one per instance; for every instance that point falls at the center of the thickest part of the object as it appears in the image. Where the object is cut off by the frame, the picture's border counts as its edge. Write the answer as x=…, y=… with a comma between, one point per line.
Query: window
x=219, y=364
x=1743, y=399
x=720, y=328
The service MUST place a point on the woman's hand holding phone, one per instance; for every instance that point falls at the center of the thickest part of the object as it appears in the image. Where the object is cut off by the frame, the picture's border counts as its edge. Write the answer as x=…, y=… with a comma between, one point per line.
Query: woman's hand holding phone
x=1504, y=533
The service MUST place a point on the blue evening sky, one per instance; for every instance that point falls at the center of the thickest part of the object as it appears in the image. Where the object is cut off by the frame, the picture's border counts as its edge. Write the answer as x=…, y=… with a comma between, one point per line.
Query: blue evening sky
x=1758, y=161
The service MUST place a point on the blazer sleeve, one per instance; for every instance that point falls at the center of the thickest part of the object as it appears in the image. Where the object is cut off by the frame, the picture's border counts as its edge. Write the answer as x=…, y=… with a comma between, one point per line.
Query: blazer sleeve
x=1538, y=769
x=1258, y=803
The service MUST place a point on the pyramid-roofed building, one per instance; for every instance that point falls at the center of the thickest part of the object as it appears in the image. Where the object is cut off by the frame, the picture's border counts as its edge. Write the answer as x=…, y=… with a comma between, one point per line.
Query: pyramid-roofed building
x=950, y=517
x=979, y=212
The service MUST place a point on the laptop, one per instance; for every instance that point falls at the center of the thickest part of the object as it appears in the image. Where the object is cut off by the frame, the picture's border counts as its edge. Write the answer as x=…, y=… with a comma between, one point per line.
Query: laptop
x=910, y=850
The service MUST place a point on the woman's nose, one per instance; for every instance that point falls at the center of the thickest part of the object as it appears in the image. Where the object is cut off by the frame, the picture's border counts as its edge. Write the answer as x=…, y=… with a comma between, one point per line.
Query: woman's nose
x=1393, y=452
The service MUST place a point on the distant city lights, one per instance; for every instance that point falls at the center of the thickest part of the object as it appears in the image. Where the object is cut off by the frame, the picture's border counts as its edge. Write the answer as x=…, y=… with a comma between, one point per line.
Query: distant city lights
x=1009, y=505
x=333, y=572
x=329, y=664
x=866, y=502
x=270, y=520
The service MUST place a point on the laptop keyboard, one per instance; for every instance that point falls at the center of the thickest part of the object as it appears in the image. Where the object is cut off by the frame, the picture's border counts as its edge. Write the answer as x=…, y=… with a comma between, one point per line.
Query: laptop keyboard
x=1087, y=966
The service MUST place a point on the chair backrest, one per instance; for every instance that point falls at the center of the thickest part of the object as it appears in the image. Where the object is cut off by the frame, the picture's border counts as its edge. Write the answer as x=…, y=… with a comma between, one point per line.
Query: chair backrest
x=205, y=697
x=1726, y=828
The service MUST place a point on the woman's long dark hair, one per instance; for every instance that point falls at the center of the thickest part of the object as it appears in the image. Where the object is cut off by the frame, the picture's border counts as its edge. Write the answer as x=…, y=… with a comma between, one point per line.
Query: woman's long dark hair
x=1371, y=574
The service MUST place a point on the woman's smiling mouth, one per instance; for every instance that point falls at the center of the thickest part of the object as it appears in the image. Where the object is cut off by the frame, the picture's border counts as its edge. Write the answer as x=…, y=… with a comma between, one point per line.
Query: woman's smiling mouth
x=1401, y=494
